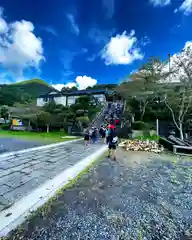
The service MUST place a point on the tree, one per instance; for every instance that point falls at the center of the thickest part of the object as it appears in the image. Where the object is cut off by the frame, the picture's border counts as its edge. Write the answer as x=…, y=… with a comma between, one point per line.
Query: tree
x=84, y=121
x=50, y=107
x=67, y=89
x=143, y=84
x=44, y=118
x=179, y=102
x=30, y=119
x=5, y=113
x=74, y=88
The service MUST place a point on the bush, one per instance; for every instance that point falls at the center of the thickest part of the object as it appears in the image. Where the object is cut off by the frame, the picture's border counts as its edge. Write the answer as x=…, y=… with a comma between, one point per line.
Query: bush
x=84, y=121
x=5, y=126
x=139, y=125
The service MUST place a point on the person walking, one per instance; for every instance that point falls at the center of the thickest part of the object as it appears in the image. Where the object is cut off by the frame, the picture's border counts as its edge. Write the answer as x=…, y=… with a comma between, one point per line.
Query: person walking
x=90, y=135
x=107, y=131
x=94, y=135
x=112, y=145
x=86, y=137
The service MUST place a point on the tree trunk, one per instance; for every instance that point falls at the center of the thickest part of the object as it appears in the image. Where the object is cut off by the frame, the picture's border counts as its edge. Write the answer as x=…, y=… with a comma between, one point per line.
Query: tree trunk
x=181, y=131
x=47, y=128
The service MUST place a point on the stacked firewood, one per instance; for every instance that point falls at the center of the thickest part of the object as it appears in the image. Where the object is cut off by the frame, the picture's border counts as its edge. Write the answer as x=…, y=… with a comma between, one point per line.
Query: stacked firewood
x=141, y=145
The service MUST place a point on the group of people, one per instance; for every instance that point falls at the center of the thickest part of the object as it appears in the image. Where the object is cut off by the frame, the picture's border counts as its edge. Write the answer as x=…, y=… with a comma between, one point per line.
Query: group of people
x=108, y=133
x=91, y=135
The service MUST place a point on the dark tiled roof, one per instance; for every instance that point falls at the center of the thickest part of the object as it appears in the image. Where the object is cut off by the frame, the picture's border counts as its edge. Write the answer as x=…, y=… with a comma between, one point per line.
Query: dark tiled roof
x=86, y=92
x=75, y=93
x=57, y=94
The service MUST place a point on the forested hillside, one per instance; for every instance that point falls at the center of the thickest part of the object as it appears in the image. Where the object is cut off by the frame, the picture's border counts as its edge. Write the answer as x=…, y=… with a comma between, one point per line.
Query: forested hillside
x=23, y=92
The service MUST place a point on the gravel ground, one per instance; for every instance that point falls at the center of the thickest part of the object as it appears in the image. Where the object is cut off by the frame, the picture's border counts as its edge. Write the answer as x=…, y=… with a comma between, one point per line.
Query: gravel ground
x=142, y=196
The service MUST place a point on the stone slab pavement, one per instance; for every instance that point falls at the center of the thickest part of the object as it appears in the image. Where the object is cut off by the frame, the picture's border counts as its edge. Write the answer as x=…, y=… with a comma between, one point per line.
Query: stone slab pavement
x=12, y=144
x=20, y=173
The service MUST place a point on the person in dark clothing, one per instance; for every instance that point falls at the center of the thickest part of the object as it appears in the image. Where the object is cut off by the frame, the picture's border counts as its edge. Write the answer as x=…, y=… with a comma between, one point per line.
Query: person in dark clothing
x=102, y=132
x=86, y=137
x=94, y=135
x=112, y=145
x=107, y=131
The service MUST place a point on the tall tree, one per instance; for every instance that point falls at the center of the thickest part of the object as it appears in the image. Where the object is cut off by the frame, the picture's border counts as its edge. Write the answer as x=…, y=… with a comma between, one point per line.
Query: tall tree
x=179, y=103
x=142, y=85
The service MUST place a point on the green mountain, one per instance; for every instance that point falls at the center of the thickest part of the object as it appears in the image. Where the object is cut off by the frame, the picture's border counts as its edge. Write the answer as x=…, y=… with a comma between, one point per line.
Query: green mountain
x=33, y=87
x=23, y=92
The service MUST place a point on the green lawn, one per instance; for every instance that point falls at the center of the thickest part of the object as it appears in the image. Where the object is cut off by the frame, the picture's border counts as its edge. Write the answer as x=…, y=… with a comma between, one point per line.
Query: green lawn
x=51, y=137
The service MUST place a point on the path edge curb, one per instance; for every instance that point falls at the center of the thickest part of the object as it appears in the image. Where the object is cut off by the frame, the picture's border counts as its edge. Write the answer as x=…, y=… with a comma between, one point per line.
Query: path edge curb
x=38, y=197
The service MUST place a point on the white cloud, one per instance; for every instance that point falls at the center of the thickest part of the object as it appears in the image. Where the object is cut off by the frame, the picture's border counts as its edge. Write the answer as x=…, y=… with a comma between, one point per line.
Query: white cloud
x=160, y=3
x=74, y=25
x=122, y=49
x=19, y=47
x=81, y=82
x=60, y=86
x=186, y=7
x=3, y=24
x=109, y=6
x=50, y=30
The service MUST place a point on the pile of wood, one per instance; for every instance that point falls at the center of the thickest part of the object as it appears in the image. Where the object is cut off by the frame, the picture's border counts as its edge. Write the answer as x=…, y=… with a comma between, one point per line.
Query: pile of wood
x=140, y=145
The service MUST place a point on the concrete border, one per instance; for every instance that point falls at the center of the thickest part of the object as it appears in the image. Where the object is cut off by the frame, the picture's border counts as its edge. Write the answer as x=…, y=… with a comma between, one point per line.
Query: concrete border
x=18, y=213
x=38, y=148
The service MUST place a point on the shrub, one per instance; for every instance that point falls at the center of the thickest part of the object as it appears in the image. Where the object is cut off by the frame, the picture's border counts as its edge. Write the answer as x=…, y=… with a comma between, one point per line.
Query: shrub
x=84, y=121
x=5, y=126
x=139, y=125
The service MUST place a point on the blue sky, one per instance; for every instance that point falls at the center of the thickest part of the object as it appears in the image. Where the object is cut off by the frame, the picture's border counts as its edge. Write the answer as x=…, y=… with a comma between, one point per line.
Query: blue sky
x=84, y=42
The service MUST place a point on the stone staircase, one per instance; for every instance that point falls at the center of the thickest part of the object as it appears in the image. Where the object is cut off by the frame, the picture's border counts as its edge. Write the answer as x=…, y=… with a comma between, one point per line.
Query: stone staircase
x=98, y=120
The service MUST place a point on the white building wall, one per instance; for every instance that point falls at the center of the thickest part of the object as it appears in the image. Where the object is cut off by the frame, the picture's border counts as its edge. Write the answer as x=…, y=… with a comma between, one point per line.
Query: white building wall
x=100, y=97
x=60, y=100
x=40, y=102
x=71, y=100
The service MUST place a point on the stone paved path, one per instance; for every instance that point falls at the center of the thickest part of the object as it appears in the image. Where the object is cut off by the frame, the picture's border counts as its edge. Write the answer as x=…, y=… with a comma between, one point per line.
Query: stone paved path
x=21, y=173
x=13, y=144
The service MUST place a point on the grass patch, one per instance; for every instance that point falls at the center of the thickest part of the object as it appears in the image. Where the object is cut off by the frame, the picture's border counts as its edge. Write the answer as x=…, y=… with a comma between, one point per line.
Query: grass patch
x=51, y=137
x=44, y=210
x=148, y=137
